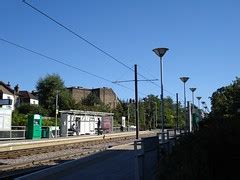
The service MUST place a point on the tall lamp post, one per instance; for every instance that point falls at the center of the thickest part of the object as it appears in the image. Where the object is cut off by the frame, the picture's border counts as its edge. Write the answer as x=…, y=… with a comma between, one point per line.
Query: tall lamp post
x=203, y=104
x=160, y=52
x=193, y=90
x=184, y=80
x=199, y=98
x=155, y=115
x=193, y=124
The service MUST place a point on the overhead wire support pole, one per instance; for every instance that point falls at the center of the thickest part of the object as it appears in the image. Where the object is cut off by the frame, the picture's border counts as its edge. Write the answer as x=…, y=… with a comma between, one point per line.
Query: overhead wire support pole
x=136, y=101
x=136, y=96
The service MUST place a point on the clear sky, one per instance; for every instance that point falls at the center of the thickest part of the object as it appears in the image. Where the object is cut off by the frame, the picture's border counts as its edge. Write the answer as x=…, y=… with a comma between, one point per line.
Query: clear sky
x=203, y=38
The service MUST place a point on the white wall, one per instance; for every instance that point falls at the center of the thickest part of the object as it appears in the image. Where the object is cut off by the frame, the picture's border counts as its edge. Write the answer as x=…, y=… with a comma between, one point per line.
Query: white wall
x=34, y=101
x=8, y=96
x=5, y=119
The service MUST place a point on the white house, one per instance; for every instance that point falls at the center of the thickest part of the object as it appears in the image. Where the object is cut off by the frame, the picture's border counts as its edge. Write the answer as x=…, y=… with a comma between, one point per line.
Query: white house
x=28, y=98
x=7, y=93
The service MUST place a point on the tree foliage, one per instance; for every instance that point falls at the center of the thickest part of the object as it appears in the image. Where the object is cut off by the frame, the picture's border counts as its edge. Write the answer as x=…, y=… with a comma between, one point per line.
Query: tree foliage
x=119, y=112
x=19, y=119
x=93, y=103
x=226, y=100
x=31, y=109
x=91, y=100
x=149, y=112
x=47, y=88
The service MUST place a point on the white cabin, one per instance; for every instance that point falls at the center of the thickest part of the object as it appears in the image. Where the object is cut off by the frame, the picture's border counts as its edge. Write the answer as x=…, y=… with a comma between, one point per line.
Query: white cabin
x=86, y=122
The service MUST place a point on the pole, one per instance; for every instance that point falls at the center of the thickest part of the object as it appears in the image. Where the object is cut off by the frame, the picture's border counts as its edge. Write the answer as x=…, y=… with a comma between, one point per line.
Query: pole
x=185, y=111
x=56, y=114
x=193, y=99
x=162, y=102
x=156, y=115
x=177, y=113
x=136, y=100
x=128, y=117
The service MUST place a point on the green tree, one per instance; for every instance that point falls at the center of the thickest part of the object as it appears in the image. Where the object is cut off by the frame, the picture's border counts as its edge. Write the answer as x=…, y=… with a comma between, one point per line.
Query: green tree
x=31, y=109
x=226, y=100
x=91, y=100
x=93, y=103
x=47, y=88
x=19, y=119
x=20, y=114
x=118, y=113
x=150, y=110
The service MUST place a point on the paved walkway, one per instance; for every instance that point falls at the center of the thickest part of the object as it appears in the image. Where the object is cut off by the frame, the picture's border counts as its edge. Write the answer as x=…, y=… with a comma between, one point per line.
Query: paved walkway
x=115, y=163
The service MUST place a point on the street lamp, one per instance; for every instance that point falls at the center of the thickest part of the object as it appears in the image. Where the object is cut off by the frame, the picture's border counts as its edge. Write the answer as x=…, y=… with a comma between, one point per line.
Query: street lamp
x=199, y=98
x=193, y=89
x=203, y=106
x=184, y=80
x=160, y=52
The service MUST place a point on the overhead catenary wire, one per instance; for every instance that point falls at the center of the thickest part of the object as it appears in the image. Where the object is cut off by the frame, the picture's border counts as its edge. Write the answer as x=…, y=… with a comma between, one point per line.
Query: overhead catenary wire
x=88, y=42
x=61, y=62
x=79, y=36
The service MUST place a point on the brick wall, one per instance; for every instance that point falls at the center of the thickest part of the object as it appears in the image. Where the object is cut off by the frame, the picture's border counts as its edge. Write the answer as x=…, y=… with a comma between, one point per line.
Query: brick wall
x=107, y=95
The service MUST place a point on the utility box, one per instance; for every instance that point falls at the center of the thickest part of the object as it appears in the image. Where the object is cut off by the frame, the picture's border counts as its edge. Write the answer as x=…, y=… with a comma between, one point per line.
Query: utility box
x=34, y=127
x=45, y=132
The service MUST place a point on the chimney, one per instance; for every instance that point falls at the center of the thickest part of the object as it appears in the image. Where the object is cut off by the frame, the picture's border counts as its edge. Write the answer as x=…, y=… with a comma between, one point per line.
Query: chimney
x=8, y=84
x=16, y=89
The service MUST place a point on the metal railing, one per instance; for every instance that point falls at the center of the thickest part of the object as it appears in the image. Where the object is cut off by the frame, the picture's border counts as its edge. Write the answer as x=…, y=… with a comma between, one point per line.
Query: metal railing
x=149, y=152
x=17, y=132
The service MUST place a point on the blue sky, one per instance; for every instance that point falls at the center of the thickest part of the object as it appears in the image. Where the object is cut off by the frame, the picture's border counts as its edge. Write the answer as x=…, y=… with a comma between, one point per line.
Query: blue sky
x=202, y=37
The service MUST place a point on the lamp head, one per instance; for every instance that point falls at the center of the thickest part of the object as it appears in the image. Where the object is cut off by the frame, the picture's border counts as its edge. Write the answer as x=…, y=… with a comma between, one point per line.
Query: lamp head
x=192, y=89
x=184, y=79
x=160, y=51
x=199, y=97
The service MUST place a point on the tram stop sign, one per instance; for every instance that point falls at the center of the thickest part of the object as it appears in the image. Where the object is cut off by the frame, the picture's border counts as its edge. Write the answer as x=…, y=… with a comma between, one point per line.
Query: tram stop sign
x=5, y=102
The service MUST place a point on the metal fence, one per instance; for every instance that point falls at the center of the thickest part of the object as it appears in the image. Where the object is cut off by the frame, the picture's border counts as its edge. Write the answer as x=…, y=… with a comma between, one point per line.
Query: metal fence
x=150, y=150
x=17, y=132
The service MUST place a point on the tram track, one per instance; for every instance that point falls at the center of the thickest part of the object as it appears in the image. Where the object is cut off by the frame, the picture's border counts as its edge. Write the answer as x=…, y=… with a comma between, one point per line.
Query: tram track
x=75, y=151
x=13, y=154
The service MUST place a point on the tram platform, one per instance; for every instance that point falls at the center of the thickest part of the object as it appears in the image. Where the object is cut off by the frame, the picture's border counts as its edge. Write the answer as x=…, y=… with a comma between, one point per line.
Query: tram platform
x=28, y=143
x=114, y=163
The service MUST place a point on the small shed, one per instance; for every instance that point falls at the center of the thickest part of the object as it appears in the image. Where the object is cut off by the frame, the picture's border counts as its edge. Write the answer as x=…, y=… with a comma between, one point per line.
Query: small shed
x=85, y=122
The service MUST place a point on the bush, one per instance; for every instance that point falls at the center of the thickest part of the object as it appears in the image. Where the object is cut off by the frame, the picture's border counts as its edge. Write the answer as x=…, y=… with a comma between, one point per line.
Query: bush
x=210, y=153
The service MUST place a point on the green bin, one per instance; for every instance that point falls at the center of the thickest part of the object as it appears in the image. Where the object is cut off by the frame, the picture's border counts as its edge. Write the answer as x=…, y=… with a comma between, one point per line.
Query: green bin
x=45, y=132
x=34, y=127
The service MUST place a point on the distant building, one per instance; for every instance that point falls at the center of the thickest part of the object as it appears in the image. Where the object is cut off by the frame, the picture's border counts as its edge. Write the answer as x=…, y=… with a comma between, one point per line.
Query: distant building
x=7, y=93
x=28, y=98
x=17, y=97
x=106, y=95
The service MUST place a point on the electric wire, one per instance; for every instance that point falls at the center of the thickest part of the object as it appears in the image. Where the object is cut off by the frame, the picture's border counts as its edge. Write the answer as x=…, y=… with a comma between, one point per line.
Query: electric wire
x=79, y=36
x=61, y=62
x=87, y=41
